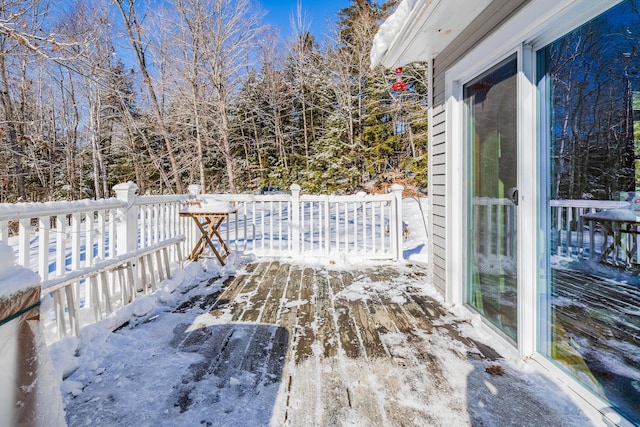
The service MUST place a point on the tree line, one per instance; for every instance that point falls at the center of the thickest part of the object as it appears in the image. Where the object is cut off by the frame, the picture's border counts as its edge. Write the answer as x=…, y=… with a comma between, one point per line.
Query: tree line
x=172, y=93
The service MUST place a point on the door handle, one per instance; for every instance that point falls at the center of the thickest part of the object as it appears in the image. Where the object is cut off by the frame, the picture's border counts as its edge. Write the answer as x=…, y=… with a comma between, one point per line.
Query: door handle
x=513, y=195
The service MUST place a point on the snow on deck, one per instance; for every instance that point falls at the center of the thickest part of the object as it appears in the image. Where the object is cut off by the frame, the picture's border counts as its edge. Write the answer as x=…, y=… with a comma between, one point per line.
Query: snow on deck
x=278, y=343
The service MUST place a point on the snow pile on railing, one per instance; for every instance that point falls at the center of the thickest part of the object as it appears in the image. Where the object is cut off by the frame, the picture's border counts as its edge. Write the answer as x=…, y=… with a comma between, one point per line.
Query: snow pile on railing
x=13, y=278
x=29, y=390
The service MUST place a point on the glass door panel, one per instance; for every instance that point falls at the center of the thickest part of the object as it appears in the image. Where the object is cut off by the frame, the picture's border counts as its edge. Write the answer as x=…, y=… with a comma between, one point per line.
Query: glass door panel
x=491, y=129
x=590, y=296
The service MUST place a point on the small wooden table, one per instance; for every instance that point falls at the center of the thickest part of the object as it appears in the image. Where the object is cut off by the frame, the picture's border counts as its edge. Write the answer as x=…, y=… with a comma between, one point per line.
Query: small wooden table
x=208, y=219
x=614, y=223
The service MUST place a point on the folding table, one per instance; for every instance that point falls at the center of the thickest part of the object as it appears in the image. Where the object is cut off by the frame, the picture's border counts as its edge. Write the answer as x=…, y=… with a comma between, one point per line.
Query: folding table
x=208, y=218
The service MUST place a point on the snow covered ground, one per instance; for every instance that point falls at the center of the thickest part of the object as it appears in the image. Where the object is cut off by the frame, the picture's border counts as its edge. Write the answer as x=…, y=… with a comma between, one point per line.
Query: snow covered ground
x=121, y=378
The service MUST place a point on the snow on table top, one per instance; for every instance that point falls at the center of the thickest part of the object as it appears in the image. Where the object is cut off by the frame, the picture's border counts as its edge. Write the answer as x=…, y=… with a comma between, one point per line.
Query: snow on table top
x=619, y=215
x=208, y=206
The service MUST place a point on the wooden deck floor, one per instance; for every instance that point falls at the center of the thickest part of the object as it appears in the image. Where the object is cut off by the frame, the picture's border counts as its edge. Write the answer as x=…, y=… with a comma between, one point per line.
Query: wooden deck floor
x=292, y=345
x=364, y=348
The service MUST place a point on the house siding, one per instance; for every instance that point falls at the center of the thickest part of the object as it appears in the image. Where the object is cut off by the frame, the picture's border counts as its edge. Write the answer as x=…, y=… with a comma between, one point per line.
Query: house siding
x=490, y=19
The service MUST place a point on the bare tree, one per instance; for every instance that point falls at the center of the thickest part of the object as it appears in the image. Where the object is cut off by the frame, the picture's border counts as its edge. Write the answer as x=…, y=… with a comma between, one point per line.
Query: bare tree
x=189, y=43
x=231, y=32
x=278, y=97
x=18, y=22
x=204, y=54
x=303, y=58
x=134, y=30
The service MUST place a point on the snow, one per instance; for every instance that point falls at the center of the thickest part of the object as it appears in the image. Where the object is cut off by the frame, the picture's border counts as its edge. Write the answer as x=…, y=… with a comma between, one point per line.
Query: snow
x=42, y=391
x=620, y=215
x=13, y=278
x=33, y=210
x=208, y=206
x=389, y=29
x=102, y=367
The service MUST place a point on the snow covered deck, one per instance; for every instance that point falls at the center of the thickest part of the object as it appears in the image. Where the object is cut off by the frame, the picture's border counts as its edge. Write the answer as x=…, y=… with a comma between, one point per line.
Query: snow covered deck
x=290, y=344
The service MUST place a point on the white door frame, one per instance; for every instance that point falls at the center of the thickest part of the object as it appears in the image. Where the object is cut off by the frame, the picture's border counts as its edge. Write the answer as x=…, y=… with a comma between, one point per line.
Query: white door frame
x=536, y=25
x=539, y=23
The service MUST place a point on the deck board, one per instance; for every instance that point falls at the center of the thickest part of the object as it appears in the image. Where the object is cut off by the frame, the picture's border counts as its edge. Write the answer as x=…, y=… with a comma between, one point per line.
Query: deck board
x=305, y=334
x=327, y=334
x=259, y=289
x=347, y=339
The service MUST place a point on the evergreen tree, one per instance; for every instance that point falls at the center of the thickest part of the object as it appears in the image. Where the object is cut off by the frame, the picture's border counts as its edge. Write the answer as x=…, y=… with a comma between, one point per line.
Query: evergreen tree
x=330, y=162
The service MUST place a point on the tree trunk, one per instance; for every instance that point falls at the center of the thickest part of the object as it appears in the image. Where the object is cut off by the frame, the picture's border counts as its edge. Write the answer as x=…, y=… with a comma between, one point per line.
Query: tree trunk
x=9, y=116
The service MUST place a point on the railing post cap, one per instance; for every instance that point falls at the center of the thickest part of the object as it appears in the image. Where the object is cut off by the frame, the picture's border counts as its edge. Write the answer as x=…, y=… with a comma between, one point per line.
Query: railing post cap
x=128, y=186
x=397, y=187
x=295, y=187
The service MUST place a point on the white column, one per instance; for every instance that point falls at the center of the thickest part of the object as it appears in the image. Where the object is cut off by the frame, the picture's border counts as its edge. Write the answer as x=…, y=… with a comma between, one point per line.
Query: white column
x=43, y=252
x=398, y=237
x=295, y=218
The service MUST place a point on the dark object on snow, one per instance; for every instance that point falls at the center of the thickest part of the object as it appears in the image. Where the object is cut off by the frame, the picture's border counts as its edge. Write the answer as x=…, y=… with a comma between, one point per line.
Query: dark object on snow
x=494, y=370
x=269, y=189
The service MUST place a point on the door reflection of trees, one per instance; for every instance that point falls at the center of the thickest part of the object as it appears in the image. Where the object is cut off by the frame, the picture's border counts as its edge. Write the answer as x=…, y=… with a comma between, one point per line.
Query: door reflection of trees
x=594, y=75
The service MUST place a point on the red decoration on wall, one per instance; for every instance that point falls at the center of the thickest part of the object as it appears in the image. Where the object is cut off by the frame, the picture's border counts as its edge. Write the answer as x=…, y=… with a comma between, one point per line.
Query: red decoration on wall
x=398, y=70
x=398, y=85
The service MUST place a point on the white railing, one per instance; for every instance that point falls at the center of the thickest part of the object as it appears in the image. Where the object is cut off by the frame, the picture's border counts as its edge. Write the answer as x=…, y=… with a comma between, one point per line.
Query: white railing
x=158, y=218
x=300, y=225
x=56, y=238
x=96, y=256
x=495, y=223
x=572, y=236
x=92, y=293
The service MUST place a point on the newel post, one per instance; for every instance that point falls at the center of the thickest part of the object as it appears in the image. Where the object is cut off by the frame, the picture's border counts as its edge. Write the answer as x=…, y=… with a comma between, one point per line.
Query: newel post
x=127, y=219
x=295, y=218
x=397, y=234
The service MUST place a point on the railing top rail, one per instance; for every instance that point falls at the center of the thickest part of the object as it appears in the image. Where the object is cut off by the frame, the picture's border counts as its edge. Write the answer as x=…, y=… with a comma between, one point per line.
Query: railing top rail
x=347, y=199
x=246, y=197
x=159, y=199
x=13, y=211
x=62, y=281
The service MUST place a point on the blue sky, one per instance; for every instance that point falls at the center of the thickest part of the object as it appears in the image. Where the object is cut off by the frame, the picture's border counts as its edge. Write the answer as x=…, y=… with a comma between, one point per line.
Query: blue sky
x=317, y=13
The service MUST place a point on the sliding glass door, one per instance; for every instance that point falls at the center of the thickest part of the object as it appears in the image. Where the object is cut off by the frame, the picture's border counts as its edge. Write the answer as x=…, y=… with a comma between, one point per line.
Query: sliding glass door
x=589, y=81
x=491, y=135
